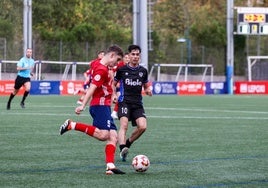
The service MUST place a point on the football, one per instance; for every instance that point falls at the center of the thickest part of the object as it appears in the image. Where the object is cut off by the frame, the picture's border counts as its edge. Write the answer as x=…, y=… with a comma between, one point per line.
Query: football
x=140, y=163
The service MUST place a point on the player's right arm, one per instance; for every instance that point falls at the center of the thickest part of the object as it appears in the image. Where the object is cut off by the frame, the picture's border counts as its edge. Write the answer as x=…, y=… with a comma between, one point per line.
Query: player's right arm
x=20, y=66
x=23, y=68
x=86, y=99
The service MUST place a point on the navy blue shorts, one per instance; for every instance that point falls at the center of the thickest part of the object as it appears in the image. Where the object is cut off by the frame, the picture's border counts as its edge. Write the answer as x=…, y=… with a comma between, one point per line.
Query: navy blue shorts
x=102, y=117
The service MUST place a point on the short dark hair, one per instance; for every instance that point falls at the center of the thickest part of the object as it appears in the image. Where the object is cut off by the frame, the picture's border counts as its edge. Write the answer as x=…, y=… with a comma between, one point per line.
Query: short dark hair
x=99, y=52
x=134, y=47
x=117, y=49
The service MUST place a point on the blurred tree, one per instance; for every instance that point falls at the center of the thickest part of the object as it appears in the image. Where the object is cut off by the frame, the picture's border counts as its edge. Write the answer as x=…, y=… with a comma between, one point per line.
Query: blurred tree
x=80, y=20
x=109, y=21
x=10, y=18
x=11, y=26
x=169, y=19
x=203, y=22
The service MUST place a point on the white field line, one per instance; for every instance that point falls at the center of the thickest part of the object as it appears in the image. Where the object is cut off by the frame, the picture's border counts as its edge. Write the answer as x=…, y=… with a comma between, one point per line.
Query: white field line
x=85, y=114
x=208, y=110
x=209, y=117
x=193, y=109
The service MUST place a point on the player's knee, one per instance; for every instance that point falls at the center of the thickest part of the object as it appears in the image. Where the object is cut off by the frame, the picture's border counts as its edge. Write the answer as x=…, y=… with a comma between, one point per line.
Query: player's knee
x=123, y=127
x=103, y=137
x=113, y=140
x=27, y=88
x=142, y=128
x=15, y=92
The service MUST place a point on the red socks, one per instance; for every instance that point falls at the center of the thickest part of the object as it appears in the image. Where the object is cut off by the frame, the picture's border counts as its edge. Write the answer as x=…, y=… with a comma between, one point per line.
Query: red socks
x=88, y=129
x=110, y=153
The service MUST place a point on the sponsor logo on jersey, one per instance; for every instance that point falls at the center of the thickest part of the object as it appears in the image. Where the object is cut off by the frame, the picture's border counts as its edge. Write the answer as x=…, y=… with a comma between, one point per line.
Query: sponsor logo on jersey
x=131, y=82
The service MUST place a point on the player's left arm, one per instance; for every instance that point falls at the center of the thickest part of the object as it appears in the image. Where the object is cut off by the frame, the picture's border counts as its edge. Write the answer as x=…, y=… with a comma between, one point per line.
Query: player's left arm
x=32, y=68
x=21, y=66
x=146, y=86
x=147, y=89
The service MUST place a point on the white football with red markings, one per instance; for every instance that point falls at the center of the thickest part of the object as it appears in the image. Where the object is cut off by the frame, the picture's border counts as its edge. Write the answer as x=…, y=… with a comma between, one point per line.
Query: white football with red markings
x=141, y=163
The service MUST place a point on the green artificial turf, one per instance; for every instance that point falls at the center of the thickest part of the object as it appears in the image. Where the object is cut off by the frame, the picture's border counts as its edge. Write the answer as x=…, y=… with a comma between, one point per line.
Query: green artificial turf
x=191, y=141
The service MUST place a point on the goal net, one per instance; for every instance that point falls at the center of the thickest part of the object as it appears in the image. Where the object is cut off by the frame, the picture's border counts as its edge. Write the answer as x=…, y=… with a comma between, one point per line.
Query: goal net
x=182, y=72
x=257, y=68
x=46, y=70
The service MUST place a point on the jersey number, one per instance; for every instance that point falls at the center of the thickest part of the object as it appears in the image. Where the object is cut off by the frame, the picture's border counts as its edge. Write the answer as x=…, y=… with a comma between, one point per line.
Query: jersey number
x=124, y=110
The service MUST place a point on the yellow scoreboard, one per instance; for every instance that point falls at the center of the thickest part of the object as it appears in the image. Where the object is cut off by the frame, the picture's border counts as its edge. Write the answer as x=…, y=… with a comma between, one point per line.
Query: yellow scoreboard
x=252, y=20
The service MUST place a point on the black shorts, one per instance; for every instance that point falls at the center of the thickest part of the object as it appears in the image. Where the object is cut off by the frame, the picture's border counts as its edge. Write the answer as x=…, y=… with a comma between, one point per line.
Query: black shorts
x=20, y=81
x=131, y=111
